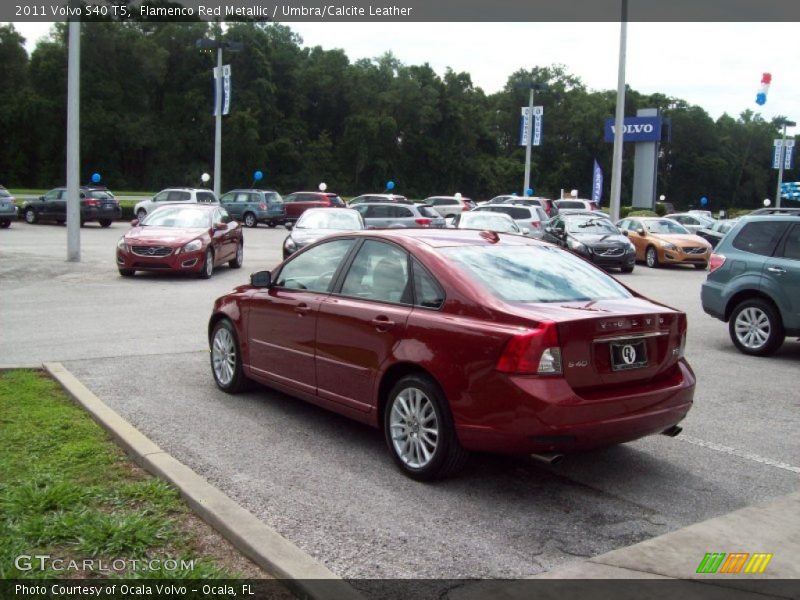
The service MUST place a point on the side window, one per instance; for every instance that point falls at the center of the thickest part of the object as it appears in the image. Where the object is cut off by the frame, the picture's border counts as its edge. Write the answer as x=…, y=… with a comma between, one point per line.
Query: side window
x=401, y=212
x=226, y=198
x=221, y=216
x=791, y=248
x=289, y=198
x=362, y=209
x=759, y=238
x=379, y=272
x=427, y=291
x=179, y=196
x=52, y=195
x=313, y=270
x=380, y=211
x=162, y=197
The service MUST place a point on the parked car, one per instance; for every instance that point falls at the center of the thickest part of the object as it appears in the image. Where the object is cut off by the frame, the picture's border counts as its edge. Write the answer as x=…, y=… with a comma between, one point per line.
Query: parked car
x=390, y=198
x=173, y=196
x=692, y=221
x=185, y=238
x=774, y=210
x=298, y=203
x=545, y=203
x=456, y=341
x=576, y=204
x=662, y=241
x=703, y=213
x=487, y=221
x=526, y=216
x=667, y=207
x=252, y=207
x=754, y=282
x=594, y=238
x=716, y=231
x=8, y=208
x=97, y=204
x=449, y=206
x=383, y=215
x=316, y=223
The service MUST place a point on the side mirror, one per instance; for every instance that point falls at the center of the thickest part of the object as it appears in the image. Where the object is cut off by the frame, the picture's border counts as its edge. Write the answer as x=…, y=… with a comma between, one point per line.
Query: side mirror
x=220, y=227
x=548, y=229
x=624, y=232
x=525, y=231
x=135, y=222
x=640, y=232
x=288, y=225
x=261, y=279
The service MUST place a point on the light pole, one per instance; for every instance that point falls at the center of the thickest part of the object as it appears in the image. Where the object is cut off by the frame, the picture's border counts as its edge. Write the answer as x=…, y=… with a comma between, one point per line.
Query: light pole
x=619, y=118
x=219, y=45
x=782, y=153
x=529, y=130
x=73, y=138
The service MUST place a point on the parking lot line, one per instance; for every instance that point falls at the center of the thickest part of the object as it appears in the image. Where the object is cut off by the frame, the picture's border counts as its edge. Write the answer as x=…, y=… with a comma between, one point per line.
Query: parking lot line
x=738, y=453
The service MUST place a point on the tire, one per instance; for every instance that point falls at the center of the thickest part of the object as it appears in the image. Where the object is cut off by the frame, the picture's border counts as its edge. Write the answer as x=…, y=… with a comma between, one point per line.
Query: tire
x=141, y=214
x=272, y=224
x=105, y=223
x=30, y=216
x=126, y=272
x=83, y=223
x=756, y=328
x=651, y=257
x=4, y=224
x=413, y=402
x=701, y=267
x=226, y=359
x=208, y=265
x=237, y=262
x=627, y=269
x=250, y=220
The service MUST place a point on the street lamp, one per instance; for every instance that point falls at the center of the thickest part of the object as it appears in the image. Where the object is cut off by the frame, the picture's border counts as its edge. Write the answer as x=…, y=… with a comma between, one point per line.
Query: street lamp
x=782, y=153
x=207, y=44
x=532, y=86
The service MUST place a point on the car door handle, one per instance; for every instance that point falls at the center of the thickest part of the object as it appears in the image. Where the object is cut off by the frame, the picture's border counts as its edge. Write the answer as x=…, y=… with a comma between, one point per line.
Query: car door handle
x=302, y=309
x=776, y=270
x=382, y=323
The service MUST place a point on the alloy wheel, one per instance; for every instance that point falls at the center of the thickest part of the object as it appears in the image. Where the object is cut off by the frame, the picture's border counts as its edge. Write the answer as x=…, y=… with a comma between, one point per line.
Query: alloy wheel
x=752, y=327
x=414, y=427
x=223, y=356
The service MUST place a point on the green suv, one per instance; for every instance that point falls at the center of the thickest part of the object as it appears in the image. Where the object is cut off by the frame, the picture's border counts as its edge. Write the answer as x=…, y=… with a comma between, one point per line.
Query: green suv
x=252, y=207
x=754, y=282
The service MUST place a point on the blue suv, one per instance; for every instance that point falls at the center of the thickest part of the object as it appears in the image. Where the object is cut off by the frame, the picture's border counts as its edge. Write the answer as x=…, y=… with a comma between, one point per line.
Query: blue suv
x=754, y=282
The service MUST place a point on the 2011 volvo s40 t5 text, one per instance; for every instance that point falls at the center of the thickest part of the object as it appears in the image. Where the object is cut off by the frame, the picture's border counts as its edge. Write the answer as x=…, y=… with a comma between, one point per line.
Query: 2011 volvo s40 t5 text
x=451, y=341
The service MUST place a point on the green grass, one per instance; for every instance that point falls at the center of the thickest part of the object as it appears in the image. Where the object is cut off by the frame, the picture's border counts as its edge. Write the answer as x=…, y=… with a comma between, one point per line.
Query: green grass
x=66, y=490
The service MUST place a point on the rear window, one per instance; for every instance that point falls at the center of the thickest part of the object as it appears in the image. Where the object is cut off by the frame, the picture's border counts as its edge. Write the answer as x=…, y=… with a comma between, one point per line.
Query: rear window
x=759, y=238
x=100, y=195
x=534, y=274
x=570, y=204
x=427, y=211
x=336, y=200
x=273, y=198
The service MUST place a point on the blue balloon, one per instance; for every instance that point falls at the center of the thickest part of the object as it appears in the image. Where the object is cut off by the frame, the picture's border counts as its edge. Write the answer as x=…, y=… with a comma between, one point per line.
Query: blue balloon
x=703, y=200
x=390, y=185
x=530, y=192
x=258, y=176
x=95, y=177
x=761, y=98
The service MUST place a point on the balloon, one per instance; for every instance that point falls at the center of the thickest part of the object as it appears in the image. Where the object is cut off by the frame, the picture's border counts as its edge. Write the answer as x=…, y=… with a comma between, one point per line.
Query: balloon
x=703, y=200
x=529, y=192
x=323, y=186
x=513, y=193
x=95, y=177
x=205, y=177
x=662, y=197
x=258, y=175
x=761, y=99
x=390, y=185
x=767, y=202
x=458, y=195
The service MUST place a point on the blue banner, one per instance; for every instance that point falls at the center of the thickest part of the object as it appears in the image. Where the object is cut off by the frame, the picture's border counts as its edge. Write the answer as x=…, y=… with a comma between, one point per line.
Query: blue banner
x=597, y=183
x=226, y=89
x=538, y=115
x=637, y=129
x=788, y=155
x=776, y=153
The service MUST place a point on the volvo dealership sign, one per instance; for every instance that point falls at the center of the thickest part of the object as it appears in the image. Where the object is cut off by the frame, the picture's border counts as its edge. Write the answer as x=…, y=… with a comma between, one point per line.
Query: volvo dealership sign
x=637, y=129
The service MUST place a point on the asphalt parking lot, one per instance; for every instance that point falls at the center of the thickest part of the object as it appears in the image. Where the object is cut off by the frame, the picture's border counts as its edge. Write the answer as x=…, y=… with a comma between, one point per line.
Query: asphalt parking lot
x=328, y=484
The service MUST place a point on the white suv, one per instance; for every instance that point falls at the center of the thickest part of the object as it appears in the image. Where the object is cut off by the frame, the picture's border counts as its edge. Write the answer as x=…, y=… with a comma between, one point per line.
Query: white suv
x=171, y=196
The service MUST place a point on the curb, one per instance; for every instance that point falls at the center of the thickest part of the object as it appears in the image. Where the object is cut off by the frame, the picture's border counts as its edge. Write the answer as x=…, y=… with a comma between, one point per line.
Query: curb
x=298, y=571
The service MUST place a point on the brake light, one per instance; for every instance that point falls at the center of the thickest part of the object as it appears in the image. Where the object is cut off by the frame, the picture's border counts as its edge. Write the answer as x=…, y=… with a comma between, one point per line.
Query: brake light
x=423, y=222
x=715, y=262
x=91, y=202
x=535, y=224
x=325, y=201
x=533, y=353
x=263, y=206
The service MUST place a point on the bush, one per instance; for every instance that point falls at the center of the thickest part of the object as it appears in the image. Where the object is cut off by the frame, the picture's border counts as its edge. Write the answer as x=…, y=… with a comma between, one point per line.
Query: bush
x=641, y=213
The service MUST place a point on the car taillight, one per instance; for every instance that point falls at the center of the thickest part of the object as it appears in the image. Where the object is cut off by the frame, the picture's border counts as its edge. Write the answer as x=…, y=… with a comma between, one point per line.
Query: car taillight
x=91, y=202
x=263, y=206
x=535, y=224
x=533, y=353
x=423, y=222
x=715, y=262
x=325, y=201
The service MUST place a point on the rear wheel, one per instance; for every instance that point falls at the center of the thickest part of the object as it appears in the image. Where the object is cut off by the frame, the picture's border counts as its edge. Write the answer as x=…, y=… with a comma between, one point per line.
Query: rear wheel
x=701, y=267
x=208, y=265
x=141, y=214
x=30, y=216
x=419, y=430
x=755, y=327
x=226, y=359
x=105, y=223
x=651, y=257
x=239, y=259
x=5, y=224
x=250, y=220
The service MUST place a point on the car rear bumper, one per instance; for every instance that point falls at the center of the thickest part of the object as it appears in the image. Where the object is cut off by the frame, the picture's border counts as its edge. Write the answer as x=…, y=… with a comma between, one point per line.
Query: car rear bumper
x=712, y=300
x=185, y=262
x=97, y=214
x=546, y=415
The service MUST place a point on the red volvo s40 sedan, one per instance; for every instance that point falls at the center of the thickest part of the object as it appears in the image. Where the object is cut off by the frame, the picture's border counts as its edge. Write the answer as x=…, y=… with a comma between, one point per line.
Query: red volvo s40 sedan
x=451, y=341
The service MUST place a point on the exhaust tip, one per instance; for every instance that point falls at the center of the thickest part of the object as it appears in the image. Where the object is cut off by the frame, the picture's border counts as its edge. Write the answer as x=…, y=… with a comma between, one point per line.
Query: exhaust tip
x=548, y=458
x=672, y=431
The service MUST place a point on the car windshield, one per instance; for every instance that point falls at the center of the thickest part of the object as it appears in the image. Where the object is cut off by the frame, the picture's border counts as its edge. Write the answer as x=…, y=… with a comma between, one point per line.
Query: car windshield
x=665, y=226
x=486, y=220
x=534, y=274
x=178, y=216
x=4, y=194
x=329, y=219
x=591, y=225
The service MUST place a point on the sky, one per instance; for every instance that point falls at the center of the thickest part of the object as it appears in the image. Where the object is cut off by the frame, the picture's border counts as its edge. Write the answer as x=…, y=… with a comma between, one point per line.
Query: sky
x=717, y=66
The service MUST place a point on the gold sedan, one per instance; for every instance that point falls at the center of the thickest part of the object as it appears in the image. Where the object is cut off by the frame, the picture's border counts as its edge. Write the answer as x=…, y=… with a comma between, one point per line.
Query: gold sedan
x=662, y=241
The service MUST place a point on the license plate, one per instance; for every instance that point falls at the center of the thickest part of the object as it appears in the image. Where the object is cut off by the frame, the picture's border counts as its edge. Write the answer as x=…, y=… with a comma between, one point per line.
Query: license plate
x=628, y=355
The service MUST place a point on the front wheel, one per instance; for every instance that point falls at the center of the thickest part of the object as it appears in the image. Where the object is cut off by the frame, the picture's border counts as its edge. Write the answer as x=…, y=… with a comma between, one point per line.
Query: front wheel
x=250, y=220
x=701, y=266
x=419, y=430
x=141, y=214
x=105, y=223
x=30, y=216
x=651, y=257
x=208, y=265
x=755, y=328
x=239, y=259
x=226, y=359
x=126, y=272
x=627, y=269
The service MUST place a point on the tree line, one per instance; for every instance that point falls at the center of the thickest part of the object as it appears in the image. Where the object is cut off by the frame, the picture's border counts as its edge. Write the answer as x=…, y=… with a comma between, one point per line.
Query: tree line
x=307, y=115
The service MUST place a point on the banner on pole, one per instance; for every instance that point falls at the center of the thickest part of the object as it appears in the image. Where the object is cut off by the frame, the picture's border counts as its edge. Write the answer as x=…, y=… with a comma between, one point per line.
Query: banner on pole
x=226, y=89
x=777, y=145
x=788, y=155
x=538, y=113
x=597, y=183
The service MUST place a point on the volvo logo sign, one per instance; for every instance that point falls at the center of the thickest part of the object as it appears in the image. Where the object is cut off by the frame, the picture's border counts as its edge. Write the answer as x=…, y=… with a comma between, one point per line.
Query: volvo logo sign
x=628, y=354
x=151, y=251
x=636, y=129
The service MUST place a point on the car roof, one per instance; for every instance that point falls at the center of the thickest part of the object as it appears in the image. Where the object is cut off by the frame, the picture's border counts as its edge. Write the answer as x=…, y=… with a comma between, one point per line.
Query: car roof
x=250, y=190
x=483, y=208
x=189, y=205
x=443, y=238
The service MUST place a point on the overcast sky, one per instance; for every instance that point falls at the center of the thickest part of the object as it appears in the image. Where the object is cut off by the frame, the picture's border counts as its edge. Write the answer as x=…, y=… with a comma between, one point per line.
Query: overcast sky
x=717, y=66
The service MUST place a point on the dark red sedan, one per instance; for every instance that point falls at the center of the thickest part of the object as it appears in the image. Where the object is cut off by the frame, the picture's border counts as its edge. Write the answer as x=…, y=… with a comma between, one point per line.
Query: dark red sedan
x=452, y=340
x=186, y=239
